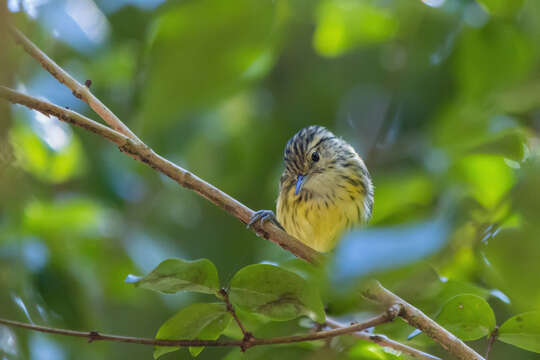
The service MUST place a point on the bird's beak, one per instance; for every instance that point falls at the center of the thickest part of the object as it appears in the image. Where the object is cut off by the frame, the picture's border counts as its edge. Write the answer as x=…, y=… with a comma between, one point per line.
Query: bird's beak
x=300, y=183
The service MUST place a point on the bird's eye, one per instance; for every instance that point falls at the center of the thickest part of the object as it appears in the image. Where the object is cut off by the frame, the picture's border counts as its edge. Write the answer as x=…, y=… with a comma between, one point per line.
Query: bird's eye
x=315, y=156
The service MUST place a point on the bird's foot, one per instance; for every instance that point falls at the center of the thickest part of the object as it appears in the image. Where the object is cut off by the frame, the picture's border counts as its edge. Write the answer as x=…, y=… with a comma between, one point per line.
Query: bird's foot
x=263, y=216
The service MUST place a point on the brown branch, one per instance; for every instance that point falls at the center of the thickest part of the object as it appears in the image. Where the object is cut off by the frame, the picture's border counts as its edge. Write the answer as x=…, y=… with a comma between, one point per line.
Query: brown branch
x=492, y=337
x=80, y=91
x=384, y=341
x=141, y=152
x=95, y=336
x=376, y=292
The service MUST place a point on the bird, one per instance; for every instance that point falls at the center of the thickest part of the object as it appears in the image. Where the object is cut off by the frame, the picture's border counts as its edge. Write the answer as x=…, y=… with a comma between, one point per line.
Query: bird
x=324, y=190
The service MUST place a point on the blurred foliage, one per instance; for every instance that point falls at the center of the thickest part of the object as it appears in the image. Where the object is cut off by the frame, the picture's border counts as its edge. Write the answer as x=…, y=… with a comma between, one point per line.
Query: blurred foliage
x=440, y=97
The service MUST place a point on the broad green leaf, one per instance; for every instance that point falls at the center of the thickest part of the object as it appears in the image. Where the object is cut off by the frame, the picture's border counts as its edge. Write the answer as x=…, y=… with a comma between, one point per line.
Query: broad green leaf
x=469, y=317
x=276, y=293
x=522, y=330
x=174, y=275
x=198, y=321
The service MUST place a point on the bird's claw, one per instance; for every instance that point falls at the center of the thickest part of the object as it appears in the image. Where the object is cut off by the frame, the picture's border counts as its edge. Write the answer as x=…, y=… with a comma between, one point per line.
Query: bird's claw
x=263, y=216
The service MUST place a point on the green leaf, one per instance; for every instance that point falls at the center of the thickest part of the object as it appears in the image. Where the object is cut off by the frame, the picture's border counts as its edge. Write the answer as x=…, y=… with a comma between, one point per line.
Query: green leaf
x=501, y=7
x=174, y=275
x=276, y=293
x=343, y=25
x=522, y=330
x=368, y=351
x=198, y=321
x=244, y=54
x=469, y=317
x=509, y=144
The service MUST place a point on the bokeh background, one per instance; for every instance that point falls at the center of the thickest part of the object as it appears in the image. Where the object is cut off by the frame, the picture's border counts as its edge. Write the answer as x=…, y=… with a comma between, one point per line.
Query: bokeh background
x=440, y=97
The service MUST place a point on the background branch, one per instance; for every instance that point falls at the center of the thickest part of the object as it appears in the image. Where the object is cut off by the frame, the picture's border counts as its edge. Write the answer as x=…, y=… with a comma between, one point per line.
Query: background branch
x=376, y=292
x=384, y=341
x=80, y=91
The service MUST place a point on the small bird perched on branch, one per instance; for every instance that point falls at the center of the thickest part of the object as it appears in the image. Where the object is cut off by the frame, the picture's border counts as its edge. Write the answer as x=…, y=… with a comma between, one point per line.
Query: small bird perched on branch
x=324, y=190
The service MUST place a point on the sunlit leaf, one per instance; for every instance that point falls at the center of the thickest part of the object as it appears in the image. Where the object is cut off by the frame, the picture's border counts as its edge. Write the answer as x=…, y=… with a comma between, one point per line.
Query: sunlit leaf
x=197, y=321
x=346, y=24
x=469, y=317
x=174, y=275
x=72, y=216
x=489, y=178
x=276, y=293
x=522, y=330
x=57, y=165
x=368, y=351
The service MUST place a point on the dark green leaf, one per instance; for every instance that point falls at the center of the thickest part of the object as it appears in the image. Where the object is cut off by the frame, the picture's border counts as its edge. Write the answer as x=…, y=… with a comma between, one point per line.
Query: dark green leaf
x=522, y=330
x=276, y=293
x=469, y=317
x=174, y=275
x=197, y=321
x=509, y=144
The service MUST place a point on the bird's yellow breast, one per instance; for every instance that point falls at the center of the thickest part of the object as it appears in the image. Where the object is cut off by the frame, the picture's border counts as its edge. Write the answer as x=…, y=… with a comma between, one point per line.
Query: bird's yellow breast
x=320, y=214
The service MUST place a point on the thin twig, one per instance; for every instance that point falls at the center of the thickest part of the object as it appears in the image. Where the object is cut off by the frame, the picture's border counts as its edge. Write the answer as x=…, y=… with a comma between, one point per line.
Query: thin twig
x=384, y=341
x=376, y=292
x=247, y=336
x=144, y=154
x=96, y=336
x=492, y=337
x=80, y=91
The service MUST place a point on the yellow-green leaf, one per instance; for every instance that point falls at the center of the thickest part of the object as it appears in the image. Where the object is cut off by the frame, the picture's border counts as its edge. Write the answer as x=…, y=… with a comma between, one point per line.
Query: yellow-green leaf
x=174, y=275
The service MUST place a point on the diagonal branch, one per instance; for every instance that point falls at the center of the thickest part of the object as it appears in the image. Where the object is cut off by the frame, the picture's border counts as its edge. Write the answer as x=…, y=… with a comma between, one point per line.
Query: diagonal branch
x=141, y=152
x=80, y=91
x=384, y=341
x=95, y=336
x=376, y=292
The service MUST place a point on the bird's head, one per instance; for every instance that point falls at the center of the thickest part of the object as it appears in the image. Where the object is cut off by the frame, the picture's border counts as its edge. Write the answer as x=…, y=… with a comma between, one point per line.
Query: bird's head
x=315, y=158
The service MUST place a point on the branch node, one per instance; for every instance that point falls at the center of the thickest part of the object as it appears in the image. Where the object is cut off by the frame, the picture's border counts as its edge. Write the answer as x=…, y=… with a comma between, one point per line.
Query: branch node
x=492, y=337
x=394, y=311
x=93, y=336
x=88, y=83
x=247, y=341
x=76, y=94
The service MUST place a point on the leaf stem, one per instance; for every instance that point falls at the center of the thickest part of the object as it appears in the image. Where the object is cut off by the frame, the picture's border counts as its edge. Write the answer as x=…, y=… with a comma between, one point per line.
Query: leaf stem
x=492, y=337
x=248, y=336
